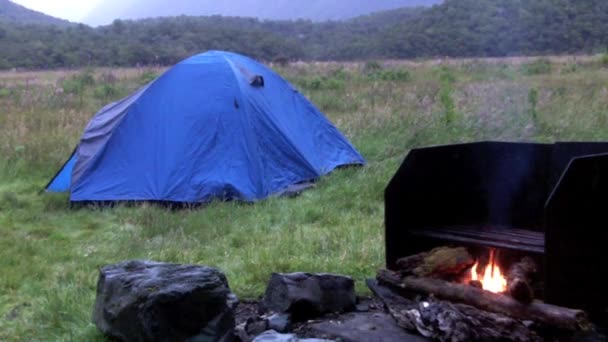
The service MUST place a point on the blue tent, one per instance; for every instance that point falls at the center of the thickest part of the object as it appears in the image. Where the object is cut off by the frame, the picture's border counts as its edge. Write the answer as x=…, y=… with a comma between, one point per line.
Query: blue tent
x=215, y=126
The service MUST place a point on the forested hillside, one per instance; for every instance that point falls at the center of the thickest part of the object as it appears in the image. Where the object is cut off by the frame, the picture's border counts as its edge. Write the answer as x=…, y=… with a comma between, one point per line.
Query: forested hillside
x=316, y=10
x=503, y=27
x=454, y=29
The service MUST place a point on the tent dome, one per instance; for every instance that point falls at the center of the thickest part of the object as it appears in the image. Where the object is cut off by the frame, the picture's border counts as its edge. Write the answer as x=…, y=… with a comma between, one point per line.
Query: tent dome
x=218, y=125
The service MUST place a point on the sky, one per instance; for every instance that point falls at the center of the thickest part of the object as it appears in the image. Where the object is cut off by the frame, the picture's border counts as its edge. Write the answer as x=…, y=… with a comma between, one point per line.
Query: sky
x=73, y=10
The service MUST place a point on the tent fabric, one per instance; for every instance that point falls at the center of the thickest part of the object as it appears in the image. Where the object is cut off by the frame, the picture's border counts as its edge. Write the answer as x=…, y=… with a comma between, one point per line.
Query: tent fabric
x=215, y=126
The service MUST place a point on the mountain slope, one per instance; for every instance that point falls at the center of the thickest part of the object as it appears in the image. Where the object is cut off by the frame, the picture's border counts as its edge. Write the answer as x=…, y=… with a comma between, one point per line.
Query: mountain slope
x=316, y=10
x=13, y=13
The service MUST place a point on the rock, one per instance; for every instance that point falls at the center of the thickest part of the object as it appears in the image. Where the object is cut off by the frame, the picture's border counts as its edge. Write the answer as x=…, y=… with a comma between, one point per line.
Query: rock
x=363, y=307
x=255, y=327
x=273, y=336
x=279, y=322
x=305, y=295
x=151, y=301
x=241, y=334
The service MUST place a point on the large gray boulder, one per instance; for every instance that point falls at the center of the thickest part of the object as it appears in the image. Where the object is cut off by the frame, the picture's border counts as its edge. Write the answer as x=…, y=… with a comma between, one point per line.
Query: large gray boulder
x=305, y=295
x=151, y=301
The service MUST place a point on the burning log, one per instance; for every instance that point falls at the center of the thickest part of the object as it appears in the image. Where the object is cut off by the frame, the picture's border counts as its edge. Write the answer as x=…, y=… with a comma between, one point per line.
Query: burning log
x=550, y=315
x=442, y=262
x=518, y=279
x=476, y=283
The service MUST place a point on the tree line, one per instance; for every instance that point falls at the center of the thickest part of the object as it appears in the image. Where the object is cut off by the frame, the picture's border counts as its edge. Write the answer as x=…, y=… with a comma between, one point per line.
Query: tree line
x=457, y=28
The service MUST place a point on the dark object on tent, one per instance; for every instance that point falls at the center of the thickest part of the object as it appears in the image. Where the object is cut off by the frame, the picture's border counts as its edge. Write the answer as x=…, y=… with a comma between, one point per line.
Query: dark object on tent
x=548, y=201
x=215, y=126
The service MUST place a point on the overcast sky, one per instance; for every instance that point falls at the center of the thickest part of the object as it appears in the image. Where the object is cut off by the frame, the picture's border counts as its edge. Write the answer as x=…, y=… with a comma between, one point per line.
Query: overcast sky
x=74, y=10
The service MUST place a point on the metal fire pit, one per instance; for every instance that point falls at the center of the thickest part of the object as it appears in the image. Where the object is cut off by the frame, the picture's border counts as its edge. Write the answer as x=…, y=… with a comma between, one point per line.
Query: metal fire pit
x=549, y=200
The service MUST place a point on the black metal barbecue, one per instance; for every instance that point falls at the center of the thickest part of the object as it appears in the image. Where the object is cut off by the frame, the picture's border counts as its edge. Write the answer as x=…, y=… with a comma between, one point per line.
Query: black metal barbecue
x=546, y=200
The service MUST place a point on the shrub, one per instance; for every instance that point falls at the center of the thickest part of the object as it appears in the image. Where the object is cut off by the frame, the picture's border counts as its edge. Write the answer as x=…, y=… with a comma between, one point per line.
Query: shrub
x=333, y=84
x=400, y=75
x=78, y=82
x=447, y=79
x=312, y=83
x=85, y=77
x=147, y=77
x=446, y=75
x=371, y=67
x=569, y=68
x=448, y=104
x=281, y=61
x=328, y=102
x=340, y=74
x=539, y=67
x=321, y=83
x=4, y=92
x=108, y=77
x=106, y=91
x=71, y=86
x=604, y=59
x=533, y=102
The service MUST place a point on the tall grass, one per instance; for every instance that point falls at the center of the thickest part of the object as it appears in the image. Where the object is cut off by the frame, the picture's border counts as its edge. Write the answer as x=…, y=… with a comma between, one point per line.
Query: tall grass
x=51, y=254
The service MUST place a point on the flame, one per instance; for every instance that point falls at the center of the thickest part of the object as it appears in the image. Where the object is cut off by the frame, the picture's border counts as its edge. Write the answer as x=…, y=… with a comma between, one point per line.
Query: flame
x=493, y=279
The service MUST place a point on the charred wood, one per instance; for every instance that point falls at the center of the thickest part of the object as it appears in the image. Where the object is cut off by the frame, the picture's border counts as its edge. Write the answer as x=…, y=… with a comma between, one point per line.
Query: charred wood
x=396, y=305
x=444, y=321
x=519, y=280
x=442, y=262
x=550, y=315
x=476, y=283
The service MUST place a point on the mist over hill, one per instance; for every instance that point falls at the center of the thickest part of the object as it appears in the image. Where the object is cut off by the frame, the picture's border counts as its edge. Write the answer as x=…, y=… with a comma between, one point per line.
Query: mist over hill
x=11, y=12
x=316, y=10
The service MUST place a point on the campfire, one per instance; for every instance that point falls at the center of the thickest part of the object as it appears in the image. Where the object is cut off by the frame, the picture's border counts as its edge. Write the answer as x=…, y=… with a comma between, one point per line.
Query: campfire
x=491, y=279
x=498, y=232
x=480, y=297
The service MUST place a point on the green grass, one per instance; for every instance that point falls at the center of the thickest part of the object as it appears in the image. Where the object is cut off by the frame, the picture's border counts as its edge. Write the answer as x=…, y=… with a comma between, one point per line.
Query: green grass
x=51, y=254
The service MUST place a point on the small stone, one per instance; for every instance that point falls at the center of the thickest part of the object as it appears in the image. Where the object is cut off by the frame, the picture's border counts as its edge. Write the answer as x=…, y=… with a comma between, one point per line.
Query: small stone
x=273, y=336
x=256, y=327
x=528, y=324
x=279, y=322
x=364, y=307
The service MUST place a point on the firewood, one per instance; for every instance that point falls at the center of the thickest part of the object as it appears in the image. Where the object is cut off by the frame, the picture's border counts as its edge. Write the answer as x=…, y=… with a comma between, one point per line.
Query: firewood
x=442, y=262
x=476, y=283
x=550, y=315
x=444, y=321
x=409, y=263
x=518, y=279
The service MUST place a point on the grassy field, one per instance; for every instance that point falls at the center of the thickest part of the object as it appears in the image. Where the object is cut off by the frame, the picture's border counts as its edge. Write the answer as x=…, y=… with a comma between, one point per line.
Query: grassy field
x=50, y=254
